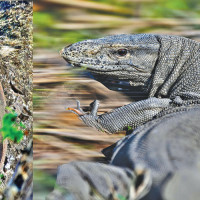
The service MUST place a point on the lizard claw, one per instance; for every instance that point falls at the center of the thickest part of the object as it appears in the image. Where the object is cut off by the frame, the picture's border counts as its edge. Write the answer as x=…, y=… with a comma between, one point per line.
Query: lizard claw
x=77, y=111
x=79, y=106
x=90, y=119
x=94, y=105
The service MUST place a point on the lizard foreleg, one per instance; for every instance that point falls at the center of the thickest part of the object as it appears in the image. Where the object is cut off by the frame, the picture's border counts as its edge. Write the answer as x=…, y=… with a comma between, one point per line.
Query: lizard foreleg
x=131, y=115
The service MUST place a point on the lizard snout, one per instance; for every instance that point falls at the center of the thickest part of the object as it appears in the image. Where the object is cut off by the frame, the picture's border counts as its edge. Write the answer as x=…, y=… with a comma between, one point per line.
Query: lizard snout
x=61, y=52
x=65, y=52
x=68, y=51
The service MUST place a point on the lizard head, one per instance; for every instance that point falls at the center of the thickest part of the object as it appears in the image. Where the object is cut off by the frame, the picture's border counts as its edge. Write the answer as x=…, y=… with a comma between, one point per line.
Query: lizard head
x=124, y=56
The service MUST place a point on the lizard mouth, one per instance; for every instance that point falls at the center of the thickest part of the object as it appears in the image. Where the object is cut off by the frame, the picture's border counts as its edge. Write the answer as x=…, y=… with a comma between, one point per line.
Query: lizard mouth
x=101, y=71
x=136, y=71
x=67, y=60
x=116, y=70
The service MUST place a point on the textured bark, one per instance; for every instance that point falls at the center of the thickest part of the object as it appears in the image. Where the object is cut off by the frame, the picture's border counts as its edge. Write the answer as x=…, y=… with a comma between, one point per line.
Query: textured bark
x=16, y=71
x=16, y=59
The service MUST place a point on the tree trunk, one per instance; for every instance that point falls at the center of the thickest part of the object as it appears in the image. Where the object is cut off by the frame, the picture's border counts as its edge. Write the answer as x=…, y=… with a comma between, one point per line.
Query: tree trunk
x=16, y=70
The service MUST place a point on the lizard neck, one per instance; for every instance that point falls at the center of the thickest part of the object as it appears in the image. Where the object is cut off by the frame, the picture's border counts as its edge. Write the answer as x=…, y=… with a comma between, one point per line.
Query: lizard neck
x=176, y=67
x=135, y=93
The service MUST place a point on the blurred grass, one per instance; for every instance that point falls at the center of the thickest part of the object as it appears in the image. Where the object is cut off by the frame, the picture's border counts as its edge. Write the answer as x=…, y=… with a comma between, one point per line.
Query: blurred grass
x=46, y=36
x=176, y=8
x=68, y=23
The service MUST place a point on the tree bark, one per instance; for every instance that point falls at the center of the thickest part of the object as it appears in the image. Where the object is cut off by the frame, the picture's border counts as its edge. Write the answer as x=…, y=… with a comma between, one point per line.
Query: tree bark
x=16, y=70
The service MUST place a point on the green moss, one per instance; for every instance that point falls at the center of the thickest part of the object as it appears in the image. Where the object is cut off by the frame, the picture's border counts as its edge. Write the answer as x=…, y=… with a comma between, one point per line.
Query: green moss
x=10, y=128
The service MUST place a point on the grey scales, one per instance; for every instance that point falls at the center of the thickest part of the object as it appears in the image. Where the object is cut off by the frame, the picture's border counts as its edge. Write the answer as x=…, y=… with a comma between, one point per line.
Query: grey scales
x=158, y=161
x=164, y=147
x=166, y=66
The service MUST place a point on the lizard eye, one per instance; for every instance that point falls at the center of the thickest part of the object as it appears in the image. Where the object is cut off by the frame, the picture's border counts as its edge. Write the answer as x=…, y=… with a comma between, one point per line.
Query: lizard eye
x=122, y=52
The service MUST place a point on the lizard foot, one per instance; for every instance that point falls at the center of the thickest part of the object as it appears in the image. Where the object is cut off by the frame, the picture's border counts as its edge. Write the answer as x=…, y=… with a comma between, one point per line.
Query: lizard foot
x=77, y=111
x=90, y=119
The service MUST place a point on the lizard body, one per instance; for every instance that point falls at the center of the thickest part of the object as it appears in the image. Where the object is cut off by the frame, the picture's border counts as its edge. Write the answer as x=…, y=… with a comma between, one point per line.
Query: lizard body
x=148, y=164
x=166, y=66
x=165, y=143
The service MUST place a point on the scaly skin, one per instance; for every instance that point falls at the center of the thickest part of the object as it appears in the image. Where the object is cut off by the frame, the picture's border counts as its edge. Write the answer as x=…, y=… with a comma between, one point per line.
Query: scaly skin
x=95, y=181
x=166, y=66
x=166, y=148
x=165, y=152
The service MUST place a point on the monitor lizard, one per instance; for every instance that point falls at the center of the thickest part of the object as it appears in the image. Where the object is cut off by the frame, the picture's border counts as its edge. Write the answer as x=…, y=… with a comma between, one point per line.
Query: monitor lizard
x=166, y=66
x=159, y=160
x=166, y=138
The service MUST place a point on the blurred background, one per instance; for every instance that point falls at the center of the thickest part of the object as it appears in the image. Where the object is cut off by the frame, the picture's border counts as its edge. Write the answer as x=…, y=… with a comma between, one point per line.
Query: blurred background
x=59, y=136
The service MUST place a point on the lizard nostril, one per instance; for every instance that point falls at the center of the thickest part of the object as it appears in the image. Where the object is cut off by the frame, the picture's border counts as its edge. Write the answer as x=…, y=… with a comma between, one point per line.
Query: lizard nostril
x=62, y=52
x=68, y=46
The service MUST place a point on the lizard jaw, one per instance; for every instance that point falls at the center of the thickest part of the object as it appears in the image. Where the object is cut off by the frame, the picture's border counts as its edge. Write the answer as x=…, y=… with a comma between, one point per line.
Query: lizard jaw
x=100, y=71
x=132, y=69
